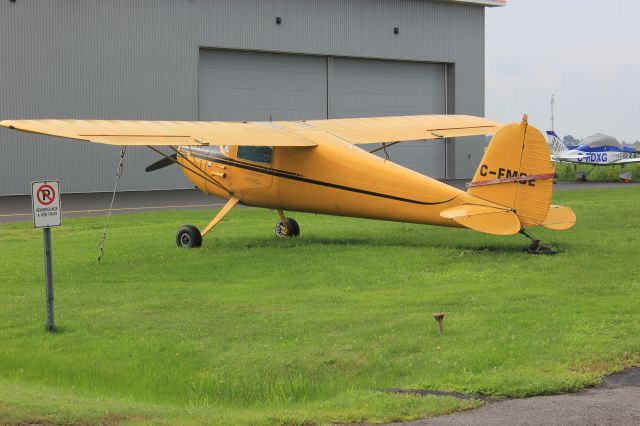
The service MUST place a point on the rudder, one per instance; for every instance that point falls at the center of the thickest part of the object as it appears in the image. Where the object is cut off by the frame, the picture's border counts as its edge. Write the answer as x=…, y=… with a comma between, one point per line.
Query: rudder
x=516, y=172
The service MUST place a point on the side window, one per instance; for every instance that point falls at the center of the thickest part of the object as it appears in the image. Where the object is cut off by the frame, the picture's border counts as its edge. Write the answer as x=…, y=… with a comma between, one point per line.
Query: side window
x=212, y=150
x=259, y=154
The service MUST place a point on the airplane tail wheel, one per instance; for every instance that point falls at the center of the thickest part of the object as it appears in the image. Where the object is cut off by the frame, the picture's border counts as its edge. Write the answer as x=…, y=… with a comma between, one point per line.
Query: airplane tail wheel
x=189, y=237
x=292, y=227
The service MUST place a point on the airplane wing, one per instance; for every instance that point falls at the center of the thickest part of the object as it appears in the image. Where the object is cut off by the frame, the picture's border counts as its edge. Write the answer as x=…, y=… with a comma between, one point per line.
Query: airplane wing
x=404, y=128
x=170, y=133
x=627, y=161
x=281, y=133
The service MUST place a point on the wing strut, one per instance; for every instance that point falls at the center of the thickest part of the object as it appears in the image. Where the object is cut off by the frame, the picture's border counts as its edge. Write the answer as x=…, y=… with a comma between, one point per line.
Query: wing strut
x=384, y=146
x=221, y=214
x=113, y=197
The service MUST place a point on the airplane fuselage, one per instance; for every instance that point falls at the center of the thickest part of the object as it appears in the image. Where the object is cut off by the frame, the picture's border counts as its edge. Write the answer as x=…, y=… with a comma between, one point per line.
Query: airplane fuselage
x=601, y=156
x=334, y=178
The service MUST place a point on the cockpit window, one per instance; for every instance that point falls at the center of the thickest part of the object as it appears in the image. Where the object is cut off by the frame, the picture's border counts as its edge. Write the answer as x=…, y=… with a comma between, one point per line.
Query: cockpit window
x=215, y=149
x=207, y=150
x=259, y=154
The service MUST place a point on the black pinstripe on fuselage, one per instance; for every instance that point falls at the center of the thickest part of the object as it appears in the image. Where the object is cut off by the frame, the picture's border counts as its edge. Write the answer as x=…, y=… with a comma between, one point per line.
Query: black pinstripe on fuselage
x=219, y=158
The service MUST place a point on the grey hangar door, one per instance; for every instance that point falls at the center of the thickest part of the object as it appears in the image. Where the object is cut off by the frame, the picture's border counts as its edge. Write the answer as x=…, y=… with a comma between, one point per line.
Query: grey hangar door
x=255, y=86
x=241, y=85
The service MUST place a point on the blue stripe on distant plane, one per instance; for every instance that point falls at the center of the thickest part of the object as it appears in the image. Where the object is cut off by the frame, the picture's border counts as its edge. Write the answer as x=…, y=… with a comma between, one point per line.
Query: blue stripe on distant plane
x=606, y=148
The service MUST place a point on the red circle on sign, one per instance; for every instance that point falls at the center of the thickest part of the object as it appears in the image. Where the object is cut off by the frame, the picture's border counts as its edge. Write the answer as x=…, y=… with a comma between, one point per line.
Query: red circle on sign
x=46, y=195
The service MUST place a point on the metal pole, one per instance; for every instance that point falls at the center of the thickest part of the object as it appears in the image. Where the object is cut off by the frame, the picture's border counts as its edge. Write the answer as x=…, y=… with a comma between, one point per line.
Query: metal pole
x=552, y=119
x=48, y=274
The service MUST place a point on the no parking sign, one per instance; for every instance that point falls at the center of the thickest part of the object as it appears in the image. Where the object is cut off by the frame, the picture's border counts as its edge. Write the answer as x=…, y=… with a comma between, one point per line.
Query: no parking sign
x=45, y=199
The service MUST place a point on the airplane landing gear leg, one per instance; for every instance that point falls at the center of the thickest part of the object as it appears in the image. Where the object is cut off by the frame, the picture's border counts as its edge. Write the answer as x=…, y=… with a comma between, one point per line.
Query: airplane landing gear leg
x=536, y=247
x=189, y=236
x=286, y=226
x=581, y=176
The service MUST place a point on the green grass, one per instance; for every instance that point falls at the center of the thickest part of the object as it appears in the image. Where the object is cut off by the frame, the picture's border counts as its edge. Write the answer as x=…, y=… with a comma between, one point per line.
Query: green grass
x=251, y=329
x=568, y=171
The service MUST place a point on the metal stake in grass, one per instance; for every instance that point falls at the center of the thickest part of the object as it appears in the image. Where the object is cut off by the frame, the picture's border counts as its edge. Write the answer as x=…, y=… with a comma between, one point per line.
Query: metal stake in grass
x=439, y=316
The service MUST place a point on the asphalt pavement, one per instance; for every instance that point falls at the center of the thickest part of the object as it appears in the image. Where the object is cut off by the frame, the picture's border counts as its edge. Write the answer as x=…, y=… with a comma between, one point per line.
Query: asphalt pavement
x=615, y=402
x=18, y=208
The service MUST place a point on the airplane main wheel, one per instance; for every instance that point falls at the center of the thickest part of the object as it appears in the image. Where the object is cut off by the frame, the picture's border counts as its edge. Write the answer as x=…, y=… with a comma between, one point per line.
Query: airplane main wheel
x=189, y=237
x=292, y=227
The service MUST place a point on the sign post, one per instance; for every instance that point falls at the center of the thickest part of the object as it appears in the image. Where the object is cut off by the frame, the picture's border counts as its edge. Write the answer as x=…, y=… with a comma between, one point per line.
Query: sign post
x=45, y=200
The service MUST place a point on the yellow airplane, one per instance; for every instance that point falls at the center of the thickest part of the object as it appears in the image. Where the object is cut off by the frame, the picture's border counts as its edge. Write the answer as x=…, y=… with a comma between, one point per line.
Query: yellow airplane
x=318, y=166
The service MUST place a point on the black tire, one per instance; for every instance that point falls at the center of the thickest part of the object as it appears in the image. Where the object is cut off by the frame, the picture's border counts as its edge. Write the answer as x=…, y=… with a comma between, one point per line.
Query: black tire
x=189, y=237
x=292, y=226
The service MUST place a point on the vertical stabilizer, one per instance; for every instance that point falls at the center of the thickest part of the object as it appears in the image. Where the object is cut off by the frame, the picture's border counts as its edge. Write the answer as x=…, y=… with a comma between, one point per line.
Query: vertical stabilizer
x=516, y=173
x=555, y=144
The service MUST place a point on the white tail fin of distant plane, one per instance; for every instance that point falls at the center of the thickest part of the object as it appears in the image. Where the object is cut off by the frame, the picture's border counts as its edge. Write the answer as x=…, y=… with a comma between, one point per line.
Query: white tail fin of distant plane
x=555, y=144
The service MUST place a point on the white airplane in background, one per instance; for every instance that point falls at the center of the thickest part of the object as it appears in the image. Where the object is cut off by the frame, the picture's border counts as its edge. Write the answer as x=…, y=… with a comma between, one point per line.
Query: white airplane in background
x=596, y=150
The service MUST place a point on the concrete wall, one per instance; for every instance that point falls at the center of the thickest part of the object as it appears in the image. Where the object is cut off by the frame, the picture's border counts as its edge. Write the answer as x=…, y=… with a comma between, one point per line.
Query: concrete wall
x=138, y=59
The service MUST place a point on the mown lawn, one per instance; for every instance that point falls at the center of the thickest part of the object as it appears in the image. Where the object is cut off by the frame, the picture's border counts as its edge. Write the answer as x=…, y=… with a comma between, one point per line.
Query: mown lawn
x=251, y=329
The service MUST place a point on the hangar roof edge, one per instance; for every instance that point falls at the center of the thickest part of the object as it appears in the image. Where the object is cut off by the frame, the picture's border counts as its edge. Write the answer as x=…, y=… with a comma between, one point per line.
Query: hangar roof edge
x=488, y=3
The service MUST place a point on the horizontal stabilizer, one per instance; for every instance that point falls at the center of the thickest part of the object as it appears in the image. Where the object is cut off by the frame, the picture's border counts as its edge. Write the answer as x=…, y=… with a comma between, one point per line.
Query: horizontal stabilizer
x=559, y=218
x=487, y=219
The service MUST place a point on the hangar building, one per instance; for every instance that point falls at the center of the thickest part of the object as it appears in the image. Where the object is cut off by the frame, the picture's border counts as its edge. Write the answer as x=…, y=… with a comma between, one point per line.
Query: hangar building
x=230, y=60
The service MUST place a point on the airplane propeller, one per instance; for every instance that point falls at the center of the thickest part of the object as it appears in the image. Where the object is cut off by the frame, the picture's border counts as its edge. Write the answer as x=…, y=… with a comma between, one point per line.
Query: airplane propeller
x=161, y=164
